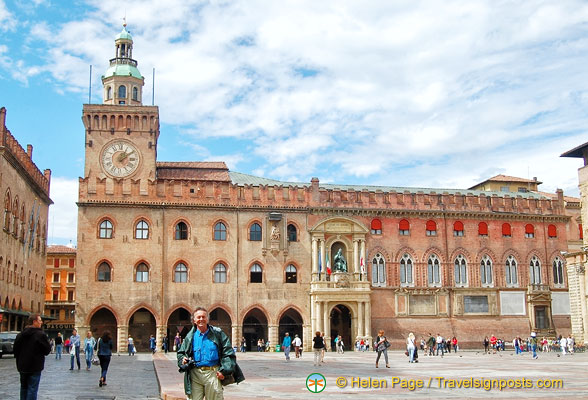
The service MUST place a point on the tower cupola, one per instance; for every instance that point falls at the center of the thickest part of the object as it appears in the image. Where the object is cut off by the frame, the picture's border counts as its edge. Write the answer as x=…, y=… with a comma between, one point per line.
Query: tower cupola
x=123, y=83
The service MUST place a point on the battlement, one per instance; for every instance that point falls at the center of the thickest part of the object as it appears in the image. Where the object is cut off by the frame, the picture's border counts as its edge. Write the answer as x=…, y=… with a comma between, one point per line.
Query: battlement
x=112, y=118
x=24, y=158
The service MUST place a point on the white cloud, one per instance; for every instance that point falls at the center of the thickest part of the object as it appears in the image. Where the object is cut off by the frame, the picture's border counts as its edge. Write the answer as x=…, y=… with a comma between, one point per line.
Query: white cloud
x=7, y=19
x=63, y=214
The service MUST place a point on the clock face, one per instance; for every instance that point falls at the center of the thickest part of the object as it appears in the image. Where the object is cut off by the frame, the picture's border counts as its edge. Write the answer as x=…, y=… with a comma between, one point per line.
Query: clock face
x=120, y=158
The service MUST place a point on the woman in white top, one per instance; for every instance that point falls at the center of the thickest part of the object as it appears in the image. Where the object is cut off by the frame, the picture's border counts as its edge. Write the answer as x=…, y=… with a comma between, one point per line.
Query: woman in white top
x=410, y=346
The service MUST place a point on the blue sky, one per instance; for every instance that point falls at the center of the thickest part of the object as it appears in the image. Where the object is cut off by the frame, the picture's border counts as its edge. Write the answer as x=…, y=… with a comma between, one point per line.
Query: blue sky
x=405, y=93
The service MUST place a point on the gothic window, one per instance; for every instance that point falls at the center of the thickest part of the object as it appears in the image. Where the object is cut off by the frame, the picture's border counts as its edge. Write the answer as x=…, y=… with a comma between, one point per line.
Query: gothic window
x=486, y=271
x=483, y=229
x=142, y=273
x=535, y=271
x=181, y=231
x=431, y=227
x=104, y=272
x=403, y=228
x=291, y=276
x=460, y=271
x=220, y=273
x=506, y=230
x=220, y=231
x=378, y=270
x=511, y=272
x=255, y=274
x=180, y=273
x=105, y=231
x=433, y=271
x=529, y=231
x=406, y=273
x=458, y=228
x=376, y=226
x=255, y=232
x=292, y=233
x=7, y=213
x=552, y=231
x=558, y=273
x=142, y=230
x=122, y=92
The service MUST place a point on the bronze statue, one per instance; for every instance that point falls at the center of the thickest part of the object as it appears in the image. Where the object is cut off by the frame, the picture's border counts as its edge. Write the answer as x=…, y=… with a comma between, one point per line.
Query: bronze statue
x=340, y=264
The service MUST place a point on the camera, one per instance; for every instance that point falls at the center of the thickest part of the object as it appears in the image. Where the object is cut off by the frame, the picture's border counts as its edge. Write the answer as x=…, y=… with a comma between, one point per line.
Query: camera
x=188, y=365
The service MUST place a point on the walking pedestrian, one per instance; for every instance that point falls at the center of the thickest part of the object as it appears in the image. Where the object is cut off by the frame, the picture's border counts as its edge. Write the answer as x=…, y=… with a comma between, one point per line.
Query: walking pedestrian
x=318, y=346
x=286, y=343
x=164, y=345
x=410, y=347
x=324, y=347
x=30, y=348
x=534, y=345
x=177, y=341
x=89, y=344
x=58, y=346
x=104, y=347
x=340, y=345
x=382, y=345
x=454, y=343
x=74, y=351
x=243, y=345
x=297, y=343
x=486, y=345
x=131, y=346
x=431, y=344
x=152, y=344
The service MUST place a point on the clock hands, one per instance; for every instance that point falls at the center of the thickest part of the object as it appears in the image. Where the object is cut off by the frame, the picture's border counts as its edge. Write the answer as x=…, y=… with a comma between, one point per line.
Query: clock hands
x=124, y=155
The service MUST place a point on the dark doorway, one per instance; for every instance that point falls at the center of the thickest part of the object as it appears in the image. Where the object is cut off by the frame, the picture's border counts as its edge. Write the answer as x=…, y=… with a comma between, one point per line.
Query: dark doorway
x=255, y=328
x=541, y=318
x=341, y=325
x=104, y=320
x=179, y=321
x=141, y=326
x=220, y=318
x=291, y=322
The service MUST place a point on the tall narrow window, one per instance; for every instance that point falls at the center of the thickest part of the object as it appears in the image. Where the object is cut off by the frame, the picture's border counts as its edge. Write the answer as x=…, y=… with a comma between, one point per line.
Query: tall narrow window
x=220, y=273
x=483, y=229
x=458, y=228
x=460, y=271
x=403, y=227
x=108, y=93
x=506, y=230
x=104, y=272
x=220, y=231
x=122, y=92
x=255, y=232
x=105, y=231
x=558, y=273
x=181, y=273
x=181, y=232
x=142, y=273
x=292, y=233
x=529, y=231
x=433, y=271
x=376, y=226
x=486, y=271
x=142, y=230
x=552, y=231
x=406, y=277
x=511, y=274
x=535, y=271
x=378, y=270
x=135, y=93
x=255, y=274
x=291, y=274
x=431, y=228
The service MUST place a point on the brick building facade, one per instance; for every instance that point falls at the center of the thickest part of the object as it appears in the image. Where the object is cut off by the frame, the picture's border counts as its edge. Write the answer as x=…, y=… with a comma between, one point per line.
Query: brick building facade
x=157, y=239
x=25, y=191
x=60, y=289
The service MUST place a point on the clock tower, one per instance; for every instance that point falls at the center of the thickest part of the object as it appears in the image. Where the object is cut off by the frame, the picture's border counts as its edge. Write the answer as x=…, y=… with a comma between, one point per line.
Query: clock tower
x=121, y=133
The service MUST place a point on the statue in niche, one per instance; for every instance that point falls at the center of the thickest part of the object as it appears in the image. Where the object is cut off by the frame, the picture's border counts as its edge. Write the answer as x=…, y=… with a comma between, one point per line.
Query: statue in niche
x=275, y=234
x=340, y=265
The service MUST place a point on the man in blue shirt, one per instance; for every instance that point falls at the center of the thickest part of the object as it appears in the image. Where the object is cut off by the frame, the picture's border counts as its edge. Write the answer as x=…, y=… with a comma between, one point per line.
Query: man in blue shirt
x=74, y=342
x=210, y=358
x=286, y=345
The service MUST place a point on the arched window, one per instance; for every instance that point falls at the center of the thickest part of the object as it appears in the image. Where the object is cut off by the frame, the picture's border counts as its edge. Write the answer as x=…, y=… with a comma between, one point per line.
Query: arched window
x=511, y=272
x=291, y=274
x=404, y=227
x=122, y=92
x=376, y=226
x=292, y=233
x=105, y=231
x=255, y=232
x=378, y=270
x=180, y=273
x=431, y=227
x=433, y=271
x=486, y=271
x=558, y=273
x=142, y=273
x=483, y=229
x=7, y=206
x=552, y=231
x=220, y=273
x=181, y=231
x=104, y=272
x=529, y=231
x=220, y=231
x=458, y=228
x=255, y=274
x=135, y=93
x=142, y=230
x=406, y=277
x=535, y=271
x=460, y=271
x=109, y=93
x=506, y=230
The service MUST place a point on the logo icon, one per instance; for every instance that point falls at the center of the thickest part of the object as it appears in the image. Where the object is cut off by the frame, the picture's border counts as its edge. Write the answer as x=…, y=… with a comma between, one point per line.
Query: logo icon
x=316, y=383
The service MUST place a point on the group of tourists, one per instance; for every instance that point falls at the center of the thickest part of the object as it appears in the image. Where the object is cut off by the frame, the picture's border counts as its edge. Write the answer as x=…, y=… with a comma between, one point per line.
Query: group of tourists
x=436, y=345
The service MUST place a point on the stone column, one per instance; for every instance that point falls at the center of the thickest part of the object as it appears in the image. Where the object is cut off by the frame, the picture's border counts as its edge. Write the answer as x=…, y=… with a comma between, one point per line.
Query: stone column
x=326, y=324
x=362, y=255
x=356, y=259
x=318, y=310
x=314, y=260
x=273, y=335
x=307, y=335
x=360, y=319
x=160, y=332
x=235, y=336
x=122, y=334
x=368, y=319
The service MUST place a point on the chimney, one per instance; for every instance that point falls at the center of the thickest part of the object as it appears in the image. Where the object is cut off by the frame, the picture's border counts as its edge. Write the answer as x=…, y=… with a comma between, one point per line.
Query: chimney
x=314, y=187
x=2, y=119
x=560, y=197
x=30, y=151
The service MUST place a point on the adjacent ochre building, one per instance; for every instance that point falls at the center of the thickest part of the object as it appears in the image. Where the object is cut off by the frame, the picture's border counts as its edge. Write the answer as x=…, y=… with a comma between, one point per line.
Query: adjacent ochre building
x=157, y=239
x=25, y=191
x=60, y=290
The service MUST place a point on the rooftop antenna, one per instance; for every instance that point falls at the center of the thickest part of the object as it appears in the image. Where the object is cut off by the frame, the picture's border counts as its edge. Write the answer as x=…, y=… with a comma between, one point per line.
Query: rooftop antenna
x=90, y=87
x=153, y=89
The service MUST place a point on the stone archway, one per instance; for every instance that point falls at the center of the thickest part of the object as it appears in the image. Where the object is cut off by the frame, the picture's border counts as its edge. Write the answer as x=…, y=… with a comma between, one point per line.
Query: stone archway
x=141, y=326
x=179, y=321
x=254, y=328
x=220, y=318
x=104, y=320
x=340, y=319
x=291, y=322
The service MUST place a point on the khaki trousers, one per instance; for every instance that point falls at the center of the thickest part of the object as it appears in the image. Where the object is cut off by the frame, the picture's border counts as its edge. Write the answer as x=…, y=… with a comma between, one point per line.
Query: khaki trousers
x=205, y=384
